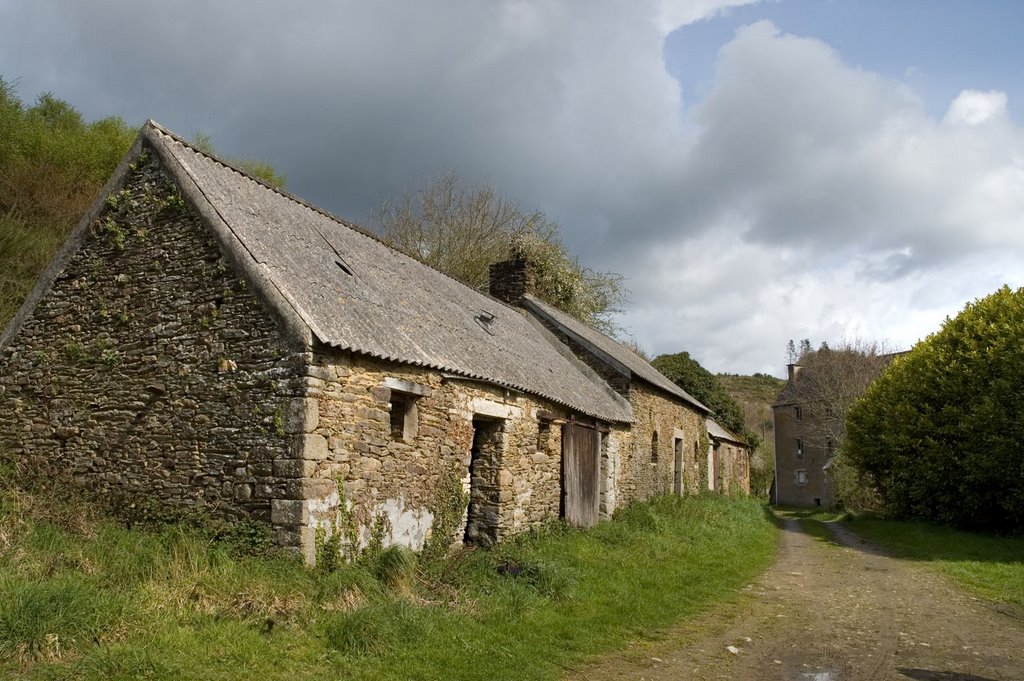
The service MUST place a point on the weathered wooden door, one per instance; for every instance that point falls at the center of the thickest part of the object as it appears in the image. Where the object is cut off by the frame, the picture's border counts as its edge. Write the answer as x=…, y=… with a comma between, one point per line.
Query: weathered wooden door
x=581, y=473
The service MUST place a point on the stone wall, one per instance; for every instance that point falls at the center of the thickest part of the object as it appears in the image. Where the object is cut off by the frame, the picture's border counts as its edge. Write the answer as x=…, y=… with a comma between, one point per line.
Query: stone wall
x=149, y=370
x=645, y=471
x=796, y=452
x=356, y=466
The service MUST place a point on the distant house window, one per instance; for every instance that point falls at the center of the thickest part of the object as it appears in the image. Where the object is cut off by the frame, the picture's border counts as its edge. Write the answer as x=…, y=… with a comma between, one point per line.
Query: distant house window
x=799, y=414
x=800, y=448
x=654, y=447
x=801, y=477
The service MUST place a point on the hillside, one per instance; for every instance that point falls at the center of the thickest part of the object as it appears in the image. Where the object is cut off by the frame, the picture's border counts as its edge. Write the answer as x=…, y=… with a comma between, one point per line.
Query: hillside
x=755, y=395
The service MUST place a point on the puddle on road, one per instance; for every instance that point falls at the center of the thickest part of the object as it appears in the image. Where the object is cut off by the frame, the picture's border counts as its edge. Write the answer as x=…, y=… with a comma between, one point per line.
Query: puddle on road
x=826, y=675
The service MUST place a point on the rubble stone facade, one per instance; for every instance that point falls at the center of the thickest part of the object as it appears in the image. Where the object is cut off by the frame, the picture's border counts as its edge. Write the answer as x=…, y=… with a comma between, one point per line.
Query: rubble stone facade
x=148, y=369
x=361, y=461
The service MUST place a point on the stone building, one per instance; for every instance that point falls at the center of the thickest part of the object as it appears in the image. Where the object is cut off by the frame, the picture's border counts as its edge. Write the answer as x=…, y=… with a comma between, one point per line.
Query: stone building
x=801, y=455
x=809, y=416
x=204, y=340
x=728, y=460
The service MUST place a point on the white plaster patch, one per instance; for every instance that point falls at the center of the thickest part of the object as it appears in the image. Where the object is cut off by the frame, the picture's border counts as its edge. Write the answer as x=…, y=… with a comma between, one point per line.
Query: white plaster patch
x=323, y=511
x=409, y=526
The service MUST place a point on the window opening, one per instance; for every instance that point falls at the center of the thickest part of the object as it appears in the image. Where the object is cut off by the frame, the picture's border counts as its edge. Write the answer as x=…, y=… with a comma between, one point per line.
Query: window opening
x=654, y=447
x=399, y=407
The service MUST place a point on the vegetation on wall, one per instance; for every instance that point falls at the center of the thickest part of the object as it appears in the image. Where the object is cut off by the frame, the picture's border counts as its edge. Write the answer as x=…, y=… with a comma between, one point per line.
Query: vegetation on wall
x=941, y=433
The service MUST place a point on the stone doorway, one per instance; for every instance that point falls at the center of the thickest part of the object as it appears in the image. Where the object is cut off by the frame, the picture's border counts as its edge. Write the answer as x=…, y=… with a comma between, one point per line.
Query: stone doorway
x=484, y=466
x=677, y=486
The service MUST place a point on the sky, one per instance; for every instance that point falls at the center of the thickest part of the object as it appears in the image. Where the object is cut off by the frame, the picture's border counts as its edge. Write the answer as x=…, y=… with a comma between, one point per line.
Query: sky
x=837, y=170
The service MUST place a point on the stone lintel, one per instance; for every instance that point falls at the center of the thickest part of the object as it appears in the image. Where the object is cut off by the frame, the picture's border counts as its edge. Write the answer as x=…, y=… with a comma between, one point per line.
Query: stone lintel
x=408, y=387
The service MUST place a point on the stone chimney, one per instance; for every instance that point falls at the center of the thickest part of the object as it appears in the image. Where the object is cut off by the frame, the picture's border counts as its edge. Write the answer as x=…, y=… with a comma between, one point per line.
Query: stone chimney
x=794, y=370
x=511, y=280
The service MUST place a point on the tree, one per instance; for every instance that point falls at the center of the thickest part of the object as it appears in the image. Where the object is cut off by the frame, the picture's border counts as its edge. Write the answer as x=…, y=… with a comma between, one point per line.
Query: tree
x=830, y=381
x=941, y=433
x=689, y=375
x=461, y=230
x=261, y=170
x=791, y=355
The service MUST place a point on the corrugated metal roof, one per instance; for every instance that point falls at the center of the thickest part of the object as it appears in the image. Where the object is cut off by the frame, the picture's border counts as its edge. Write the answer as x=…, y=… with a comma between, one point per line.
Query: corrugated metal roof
x=719, y=433
x=611, y=348
x=356, y=293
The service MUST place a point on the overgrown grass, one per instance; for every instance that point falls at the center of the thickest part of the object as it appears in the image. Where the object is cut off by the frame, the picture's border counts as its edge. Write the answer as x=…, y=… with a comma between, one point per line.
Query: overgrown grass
x=990, y=566
x=83, y=598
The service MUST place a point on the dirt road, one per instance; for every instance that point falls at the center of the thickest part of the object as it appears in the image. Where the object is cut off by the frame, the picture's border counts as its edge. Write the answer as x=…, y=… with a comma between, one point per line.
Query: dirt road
x=835, y=611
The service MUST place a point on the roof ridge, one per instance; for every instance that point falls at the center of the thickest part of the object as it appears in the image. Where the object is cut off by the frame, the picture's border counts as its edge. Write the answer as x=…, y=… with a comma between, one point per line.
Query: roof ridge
x=150, y=123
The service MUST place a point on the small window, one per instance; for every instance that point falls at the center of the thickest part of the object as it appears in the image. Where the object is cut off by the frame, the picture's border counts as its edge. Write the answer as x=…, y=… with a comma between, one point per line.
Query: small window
x=543, y=435
x=399, y=403
x=800, y=448
x=801, y=477
x=799, y=414
x=403, y=416
x=654, y=447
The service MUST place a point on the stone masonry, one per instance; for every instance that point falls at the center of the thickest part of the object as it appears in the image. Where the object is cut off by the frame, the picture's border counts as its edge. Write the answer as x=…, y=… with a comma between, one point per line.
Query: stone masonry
x=353, y=461
x=148, y=370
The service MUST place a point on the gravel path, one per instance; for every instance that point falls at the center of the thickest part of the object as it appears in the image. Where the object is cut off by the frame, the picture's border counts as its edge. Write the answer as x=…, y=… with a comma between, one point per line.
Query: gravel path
x=835, y=611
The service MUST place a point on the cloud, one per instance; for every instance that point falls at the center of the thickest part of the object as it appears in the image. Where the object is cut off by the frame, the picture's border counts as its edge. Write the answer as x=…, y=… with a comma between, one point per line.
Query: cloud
x=972, y=107
x=819, y=200
x=801, y=197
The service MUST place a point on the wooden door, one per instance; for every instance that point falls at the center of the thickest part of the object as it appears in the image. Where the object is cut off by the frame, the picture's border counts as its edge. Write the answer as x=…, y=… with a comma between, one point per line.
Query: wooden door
x=581, y=474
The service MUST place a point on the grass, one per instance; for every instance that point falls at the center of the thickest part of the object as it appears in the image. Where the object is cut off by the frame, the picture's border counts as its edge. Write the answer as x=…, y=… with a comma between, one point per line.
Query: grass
x=83, y=598
x=990, y=566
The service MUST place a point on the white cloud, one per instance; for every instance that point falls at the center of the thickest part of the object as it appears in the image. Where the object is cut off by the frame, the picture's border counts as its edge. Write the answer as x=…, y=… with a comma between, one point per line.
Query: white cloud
x=972, y=107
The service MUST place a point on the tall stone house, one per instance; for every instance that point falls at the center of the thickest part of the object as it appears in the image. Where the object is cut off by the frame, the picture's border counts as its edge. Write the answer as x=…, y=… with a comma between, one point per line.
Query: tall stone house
x=802, y=470
x=806, y=426
x=203, y=340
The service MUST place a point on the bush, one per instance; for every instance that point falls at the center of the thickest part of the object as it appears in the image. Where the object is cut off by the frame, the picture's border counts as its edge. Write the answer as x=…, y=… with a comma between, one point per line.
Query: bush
x=940, y=434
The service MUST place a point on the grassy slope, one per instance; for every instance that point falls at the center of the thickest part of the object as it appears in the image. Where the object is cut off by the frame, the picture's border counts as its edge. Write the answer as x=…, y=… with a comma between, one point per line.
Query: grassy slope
x=992, y=567
x=85, y=598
